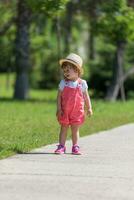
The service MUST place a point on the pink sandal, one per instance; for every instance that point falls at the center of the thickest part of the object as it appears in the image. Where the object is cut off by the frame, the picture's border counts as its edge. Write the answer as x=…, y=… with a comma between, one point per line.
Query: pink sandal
x=61, y=149
x=76, y=150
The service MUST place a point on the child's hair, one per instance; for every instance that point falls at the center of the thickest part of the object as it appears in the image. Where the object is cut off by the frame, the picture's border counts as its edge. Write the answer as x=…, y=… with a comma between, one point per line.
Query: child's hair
x=76, y=69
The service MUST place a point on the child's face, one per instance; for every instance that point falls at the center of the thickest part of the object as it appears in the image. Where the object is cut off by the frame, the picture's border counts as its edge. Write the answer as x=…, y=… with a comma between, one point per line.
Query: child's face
x=69, y=71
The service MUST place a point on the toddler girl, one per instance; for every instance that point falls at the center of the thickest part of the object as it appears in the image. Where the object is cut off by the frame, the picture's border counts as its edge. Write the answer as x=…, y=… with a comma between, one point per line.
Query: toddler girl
x=71, y=98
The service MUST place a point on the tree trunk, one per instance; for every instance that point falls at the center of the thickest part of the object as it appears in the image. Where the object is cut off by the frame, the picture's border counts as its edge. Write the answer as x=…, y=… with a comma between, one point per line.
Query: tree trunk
x=117, y=83
x=92, y=20
x=131, y=3
x=68, y=27
x=58, y=33
x=59, y=50
x=22, y=51
x=91, y=46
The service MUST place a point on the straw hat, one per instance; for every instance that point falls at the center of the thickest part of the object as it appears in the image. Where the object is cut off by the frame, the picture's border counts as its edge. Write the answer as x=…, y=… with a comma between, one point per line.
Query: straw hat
x=74, y=59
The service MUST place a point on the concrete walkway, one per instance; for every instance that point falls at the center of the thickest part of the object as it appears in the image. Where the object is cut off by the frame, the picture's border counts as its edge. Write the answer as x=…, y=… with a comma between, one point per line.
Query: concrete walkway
x=105, y=171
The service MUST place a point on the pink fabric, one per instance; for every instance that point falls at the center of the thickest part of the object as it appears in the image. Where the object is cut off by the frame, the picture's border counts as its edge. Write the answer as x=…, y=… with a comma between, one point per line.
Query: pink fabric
x=72, y=103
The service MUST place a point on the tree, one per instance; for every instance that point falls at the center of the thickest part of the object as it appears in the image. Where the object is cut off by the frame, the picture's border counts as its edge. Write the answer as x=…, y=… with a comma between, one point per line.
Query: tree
x=68, y=26
x=117, y=22
x=22, y=39
x=91, y=8
x=22, y=61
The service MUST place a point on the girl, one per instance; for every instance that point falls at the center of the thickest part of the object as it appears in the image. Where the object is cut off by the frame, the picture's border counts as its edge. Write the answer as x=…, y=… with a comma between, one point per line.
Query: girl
x=72, y=95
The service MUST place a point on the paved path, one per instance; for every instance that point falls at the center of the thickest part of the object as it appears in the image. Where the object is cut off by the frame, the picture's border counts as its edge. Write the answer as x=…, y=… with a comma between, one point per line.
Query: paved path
x=104, y=172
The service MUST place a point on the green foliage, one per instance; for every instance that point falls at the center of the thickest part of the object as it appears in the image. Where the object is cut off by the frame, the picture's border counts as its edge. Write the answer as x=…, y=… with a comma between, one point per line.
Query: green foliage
x=129, y=53
x=101, y=67
x=113, y=6
x=113, y=19
x=7, y=11
x=117, y=21
x=50, y=73
x=44, y=54
x=7, y=51
x=50, y=7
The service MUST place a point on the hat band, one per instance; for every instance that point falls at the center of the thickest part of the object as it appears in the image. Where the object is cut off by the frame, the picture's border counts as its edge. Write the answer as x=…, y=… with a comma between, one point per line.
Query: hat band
x=72, y=60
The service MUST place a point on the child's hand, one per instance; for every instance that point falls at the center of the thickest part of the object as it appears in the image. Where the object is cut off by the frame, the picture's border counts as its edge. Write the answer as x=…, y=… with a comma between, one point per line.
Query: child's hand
x=89, y=112
x=59, y=113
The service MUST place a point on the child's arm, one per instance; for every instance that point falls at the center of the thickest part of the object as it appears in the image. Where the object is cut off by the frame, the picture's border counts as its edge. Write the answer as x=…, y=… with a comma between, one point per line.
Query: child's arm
x=88, y=103
x=59, y=110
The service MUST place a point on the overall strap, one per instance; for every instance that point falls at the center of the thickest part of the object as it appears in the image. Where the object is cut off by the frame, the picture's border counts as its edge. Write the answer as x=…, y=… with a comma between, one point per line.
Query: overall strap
x=80, y=82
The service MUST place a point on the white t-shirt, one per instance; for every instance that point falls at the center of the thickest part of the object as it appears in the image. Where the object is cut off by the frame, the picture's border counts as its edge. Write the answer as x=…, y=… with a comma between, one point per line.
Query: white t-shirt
x=73, y=84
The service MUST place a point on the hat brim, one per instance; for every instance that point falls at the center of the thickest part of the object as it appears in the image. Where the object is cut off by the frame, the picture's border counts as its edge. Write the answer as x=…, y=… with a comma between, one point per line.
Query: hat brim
x=70, y=61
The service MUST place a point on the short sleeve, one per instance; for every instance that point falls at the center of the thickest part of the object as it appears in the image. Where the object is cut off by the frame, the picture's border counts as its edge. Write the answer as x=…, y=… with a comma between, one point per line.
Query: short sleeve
x=84, y=86
x=61, y=85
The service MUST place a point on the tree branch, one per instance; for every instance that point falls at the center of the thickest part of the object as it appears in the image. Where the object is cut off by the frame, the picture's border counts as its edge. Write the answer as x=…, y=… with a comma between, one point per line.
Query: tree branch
x=127, y=74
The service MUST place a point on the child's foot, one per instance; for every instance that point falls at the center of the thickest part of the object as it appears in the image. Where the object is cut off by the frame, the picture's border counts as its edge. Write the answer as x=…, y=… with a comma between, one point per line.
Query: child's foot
x=61, y=149
x=76, y=150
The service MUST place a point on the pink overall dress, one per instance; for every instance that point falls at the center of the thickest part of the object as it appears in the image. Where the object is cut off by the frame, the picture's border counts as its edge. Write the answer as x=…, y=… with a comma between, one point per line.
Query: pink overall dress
x=72, y=104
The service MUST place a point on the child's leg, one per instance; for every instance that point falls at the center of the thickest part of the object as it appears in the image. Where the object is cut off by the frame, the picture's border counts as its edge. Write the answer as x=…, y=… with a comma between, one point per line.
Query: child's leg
x=75, y=138
x=75, y=134
x=63, y=134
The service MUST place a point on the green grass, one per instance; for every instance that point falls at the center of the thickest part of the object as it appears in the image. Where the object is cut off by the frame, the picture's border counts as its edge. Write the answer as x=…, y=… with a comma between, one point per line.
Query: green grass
x=31, y=124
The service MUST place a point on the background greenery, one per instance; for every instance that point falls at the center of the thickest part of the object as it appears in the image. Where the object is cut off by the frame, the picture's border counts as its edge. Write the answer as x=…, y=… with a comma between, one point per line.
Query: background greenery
x=93, y=29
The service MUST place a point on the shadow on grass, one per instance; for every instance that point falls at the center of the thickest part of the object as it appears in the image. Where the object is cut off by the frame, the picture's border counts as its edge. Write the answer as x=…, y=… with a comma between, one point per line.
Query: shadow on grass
x=42, y=153
x=18, y=150
x=38, y=153
x=13, y=151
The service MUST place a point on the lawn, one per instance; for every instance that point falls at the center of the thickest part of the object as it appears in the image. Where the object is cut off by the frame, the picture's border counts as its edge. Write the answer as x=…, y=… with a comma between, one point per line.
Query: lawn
x=31, y=124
